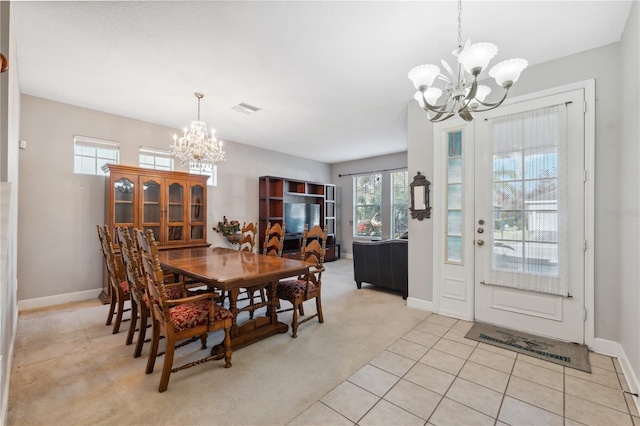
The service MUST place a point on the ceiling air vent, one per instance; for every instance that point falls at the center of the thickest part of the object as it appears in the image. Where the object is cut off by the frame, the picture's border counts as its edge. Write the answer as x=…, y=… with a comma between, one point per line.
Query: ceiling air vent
x=245, y=108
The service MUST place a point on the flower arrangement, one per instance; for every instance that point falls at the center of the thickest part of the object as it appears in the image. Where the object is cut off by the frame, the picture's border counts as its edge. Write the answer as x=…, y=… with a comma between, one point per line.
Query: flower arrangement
x=227, y=227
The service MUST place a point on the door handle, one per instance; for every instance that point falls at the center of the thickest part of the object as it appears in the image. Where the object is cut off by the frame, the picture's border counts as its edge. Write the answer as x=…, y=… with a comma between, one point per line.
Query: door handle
x=480, y=230
x=480, y=242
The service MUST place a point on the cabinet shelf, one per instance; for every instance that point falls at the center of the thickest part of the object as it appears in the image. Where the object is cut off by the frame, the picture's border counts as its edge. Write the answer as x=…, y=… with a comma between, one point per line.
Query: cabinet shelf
x=152, y=198
x=275, y=192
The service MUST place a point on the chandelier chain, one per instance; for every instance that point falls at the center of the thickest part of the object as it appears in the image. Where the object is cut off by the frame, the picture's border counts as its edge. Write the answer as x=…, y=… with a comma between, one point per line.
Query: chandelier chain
x=459, y=23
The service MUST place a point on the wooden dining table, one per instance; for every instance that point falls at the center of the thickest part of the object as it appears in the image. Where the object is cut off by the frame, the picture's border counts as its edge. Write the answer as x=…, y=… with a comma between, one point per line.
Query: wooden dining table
x=230, y=271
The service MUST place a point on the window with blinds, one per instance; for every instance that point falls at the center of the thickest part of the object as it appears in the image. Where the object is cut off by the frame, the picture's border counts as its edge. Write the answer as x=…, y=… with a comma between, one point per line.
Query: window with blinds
x=89, y=154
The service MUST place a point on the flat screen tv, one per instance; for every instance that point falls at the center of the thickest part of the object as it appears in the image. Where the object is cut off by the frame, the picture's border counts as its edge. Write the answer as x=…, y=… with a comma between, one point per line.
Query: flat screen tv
x=296, y=215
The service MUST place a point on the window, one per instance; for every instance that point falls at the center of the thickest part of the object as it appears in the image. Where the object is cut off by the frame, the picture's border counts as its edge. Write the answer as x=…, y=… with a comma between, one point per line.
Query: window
x=367, y=190
x=151, y=158
x=399, y=203
x=455, y=193
x=211, y=171
x=89, y=154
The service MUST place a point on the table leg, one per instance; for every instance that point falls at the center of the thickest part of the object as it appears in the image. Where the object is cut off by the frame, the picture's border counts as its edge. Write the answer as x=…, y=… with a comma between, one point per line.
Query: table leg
x=254, y=329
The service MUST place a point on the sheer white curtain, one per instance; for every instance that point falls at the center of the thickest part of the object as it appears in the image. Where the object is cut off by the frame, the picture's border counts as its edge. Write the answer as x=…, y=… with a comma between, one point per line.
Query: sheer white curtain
x=529, y=201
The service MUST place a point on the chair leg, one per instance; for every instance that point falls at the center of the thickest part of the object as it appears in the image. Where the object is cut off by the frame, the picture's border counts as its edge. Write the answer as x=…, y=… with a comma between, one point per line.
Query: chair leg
x=250, y=294
x=203, y=340
x=153, y=350
x=301, y=310
x=319, y=308
x=120, y=299
x=294, y=323
x=168, y=363
x=112, y=307
x=144, y=314
x=133, y=323
x=227, y=345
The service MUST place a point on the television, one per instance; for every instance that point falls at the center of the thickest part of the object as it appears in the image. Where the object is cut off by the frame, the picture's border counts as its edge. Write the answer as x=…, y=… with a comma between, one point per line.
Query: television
x=296, y=215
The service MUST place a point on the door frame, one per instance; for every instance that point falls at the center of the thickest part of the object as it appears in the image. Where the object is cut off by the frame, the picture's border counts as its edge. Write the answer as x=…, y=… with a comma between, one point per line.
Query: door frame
x=589, y=201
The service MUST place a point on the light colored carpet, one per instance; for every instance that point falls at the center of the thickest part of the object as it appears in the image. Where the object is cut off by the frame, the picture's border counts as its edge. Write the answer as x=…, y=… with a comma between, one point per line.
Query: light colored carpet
x=69, y=369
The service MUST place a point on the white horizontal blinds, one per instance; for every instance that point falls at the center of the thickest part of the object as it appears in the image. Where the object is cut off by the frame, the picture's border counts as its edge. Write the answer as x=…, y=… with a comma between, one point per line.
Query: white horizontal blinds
x=152, y=158
x=529, y=201
x=90, y=154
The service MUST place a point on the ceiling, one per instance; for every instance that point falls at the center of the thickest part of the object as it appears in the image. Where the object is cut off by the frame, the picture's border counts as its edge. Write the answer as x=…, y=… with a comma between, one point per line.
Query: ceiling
x=330, y=77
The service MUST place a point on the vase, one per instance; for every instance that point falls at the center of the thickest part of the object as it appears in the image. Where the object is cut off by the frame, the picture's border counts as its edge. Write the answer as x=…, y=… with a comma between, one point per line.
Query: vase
x=233, y=238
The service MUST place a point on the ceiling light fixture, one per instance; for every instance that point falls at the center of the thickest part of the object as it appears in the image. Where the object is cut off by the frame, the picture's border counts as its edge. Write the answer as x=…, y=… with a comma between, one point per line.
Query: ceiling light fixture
x=464, y=94
x=195, y=147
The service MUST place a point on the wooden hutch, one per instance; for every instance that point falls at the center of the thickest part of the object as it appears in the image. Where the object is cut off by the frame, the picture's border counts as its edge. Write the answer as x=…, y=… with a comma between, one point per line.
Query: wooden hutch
x=172, y=204
x=275, y=192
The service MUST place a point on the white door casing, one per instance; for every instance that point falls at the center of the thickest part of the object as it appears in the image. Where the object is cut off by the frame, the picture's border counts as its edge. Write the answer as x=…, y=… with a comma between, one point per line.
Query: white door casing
x=456, y=287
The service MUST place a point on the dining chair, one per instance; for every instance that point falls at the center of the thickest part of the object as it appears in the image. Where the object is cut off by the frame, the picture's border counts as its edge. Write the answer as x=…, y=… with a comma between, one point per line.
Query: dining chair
x=118, y=285
x=130, y=254
x=248, y=233
x=274, y=239
x=307, y=286
x=180, y=319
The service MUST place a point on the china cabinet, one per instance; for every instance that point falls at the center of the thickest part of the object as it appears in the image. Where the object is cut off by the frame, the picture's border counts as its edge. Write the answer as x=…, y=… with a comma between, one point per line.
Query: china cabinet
x=172, y=204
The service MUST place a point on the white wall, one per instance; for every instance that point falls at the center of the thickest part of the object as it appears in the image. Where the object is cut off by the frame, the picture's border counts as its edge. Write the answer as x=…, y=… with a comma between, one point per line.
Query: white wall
x=9, y=135
x=59, y=210
x=629, y=182
x=344, y=192
x=602, y=65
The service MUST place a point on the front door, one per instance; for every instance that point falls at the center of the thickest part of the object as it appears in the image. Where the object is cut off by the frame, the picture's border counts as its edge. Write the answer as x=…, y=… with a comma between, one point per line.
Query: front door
x=519, y=232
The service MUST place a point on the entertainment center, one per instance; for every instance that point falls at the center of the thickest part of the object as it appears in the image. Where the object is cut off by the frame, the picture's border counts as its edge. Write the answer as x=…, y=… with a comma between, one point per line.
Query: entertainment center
x=296, y=203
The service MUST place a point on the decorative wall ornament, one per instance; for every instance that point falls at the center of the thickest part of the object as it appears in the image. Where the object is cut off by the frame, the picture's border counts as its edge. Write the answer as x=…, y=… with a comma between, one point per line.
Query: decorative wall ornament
x=420, y=207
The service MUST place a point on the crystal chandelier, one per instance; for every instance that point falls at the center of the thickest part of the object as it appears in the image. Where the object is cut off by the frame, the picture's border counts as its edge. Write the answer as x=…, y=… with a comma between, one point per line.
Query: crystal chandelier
x=195, y=147
x=463, y=93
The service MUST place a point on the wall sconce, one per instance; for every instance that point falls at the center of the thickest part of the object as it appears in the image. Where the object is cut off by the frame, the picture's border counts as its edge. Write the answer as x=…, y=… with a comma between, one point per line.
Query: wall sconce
x=420, y=207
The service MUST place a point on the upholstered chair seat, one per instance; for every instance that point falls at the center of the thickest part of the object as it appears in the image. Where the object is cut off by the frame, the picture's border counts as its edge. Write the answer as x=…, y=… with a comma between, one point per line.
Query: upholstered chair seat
x=190, y=315
x=292, y=289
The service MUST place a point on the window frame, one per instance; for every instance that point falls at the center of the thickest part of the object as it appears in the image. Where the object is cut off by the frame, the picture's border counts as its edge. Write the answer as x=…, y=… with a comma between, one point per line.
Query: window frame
x=213, y=175
x=155, y=154
x=97, y=144
x=377, y=176
x=404, y=206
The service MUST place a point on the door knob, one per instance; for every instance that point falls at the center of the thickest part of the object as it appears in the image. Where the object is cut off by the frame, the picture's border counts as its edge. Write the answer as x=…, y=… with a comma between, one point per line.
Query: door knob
x=480, y=230
x=481, y=222
x=480, y=242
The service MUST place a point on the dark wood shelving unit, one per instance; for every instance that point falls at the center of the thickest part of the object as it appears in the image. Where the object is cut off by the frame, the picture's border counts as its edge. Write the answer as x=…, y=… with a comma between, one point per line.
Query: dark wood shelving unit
x=274, y=192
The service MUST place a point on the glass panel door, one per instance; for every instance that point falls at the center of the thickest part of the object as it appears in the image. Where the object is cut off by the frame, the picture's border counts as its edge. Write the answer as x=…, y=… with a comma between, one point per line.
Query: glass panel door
x=151, y=207
x=197, y=213
x=176, y=210
x=123, y=210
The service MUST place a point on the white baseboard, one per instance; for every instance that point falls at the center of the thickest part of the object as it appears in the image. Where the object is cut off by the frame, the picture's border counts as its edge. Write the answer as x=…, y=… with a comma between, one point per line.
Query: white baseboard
x=347, y=256
x=58, y=299
x=611, y=348
x=423, y=305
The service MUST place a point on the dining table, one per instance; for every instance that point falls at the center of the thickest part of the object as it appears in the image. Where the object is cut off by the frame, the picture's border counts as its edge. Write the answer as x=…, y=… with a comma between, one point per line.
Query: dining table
x=230, y=271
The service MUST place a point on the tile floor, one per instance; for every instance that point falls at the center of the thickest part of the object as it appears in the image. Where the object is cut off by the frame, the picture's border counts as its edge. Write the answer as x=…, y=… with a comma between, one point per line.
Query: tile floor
x=434, y=376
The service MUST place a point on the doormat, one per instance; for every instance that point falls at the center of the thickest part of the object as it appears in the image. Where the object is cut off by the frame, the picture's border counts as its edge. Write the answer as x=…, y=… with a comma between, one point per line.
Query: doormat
x=570, y=355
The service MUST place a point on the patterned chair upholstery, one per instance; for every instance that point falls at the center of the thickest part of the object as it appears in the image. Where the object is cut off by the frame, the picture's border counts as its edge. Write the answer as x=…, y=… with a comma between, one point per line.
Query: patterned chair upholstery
x=180, y=319
x=308, y=286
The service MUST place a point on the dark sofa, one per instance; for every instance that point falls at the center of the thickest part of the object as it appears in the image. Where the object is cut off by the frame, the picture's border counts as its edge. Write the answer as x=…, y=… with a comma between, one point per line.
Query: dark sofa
x=382, y=263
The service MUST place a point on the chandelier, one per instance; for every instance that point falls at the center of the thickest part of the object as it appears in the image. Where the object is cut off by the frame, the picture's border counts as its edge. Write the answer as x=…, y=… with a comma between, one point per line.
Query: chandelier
x=195, y=147
x=463, y=93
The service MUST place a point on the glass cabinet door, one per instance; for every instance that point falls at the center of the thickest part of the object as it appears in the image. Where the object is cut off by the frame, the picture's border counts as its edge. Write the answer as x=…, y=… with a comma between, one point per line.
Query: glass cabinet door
x=123, y=208
x=176, y=212
x=151, y=207
x=197, y=212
